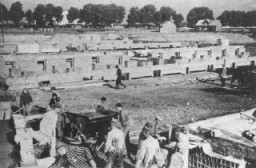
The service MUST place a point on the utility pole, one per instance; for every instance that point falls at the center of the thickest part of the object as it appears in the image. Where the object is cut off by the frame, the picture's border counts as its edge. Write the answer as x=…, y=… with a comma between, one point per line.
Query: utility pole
x=2, y=19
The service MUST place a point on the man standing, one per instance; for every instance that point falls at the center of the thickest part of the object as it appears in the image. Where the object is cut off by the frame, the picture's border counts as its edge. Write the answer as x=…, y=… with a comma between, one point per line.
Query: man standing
x=25, y=102
x=148, y=148
x=119, y=78
x=223, y=75
x=55, y=104
x=122, y=117
x=115, y=146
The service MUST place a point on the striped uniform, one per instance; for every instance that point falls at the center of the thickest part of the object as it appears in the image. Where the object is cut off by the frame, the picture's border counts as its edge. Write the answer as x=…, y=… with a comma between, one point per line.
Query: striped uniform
x=78, y=156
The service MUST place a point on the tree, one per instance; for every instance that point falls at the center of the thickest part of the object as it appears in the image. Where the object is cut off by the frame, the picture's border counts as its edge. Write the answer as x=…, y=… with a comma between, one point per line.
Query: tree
x=134, y=16
x=102, y=15
x=29, y=16
x=119, y=14
x=73, y=13
x=198, y=13
x=57, y=13
x=4, y=13
x=167, y=13
x=178, y=18
x=88, y=13
x=158, y=18
x=147, y=14
x=237, y=18
x=251, y=18
x=16, y=12
x=225, y=18
x=39, y=15
x=49, y=14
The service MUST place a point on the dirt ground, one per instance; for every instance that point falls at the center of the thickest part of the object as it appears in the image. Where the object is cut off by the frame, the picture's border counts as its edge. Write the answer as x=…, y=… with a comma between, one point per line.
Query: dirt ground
x=176, y=99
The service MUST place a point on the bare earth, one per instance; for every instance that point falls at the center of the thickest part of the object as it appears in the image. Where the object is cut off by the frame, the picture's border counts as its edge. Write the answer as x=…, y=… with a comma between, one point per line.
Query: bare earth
x=176, y=99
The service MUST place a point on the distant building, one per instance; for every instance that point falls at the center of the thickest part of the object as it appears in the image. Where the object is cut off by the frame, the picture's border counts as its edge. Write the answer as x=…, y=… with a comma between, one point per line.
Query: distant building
x=168, y=27
x=207, y=25
x=185, y=29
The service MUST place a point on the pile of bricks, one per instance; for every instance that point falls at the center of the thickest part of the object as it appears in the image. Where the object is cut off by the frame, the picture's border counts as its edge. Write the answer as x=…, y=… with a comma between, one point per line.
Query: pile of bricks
x=23, y=138
x=230, y=148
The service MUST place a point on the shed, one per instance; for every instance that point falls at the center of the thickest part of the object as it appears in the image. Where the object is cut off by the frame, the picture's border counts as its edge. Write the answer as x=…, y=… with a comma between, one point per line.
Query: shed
x=168, y=27
x=208, y=25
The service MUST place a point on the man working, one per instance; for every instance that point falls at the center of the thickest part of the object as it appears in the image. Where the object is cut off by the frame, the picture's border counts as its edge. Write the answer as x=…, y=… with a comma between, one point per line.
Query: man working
x=54, y=102
x=25, y=102
x=223, y=75
x=119, y=78
x=103, y=106
x=148, y=148
x=115, y=146
x=122, y=117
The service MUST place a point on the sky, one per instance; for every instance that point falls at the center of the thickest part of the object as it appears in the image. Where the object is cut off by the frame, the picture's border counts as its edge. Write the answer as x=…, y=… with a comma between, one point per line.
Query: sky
x=181, y=6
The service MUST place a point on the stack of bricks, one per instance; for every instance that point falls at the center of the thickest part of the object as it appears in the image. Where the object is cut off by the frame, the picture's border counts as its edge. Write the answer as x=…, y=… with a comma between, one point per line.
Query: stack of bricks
x=230, y=148
x=198, y=159
x=23, y=138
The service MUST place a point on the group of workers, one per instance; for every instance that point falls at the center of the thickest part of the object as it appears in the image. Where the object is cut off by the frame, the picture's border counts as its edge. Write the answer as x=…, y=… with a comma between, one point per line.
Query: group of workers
x=149, y=153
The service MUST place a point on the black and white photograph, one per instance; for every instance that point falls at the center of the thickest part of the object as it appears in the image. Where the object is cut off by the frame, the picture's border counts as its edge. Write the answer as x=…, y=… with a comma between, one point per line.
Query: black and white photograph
x=127, y=84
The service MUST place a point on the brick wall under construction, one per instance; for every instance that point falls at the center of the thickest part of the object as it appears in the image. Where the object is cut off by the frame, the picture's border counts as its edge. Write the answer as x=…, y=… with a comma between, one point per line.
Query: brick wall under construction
x=29, y=69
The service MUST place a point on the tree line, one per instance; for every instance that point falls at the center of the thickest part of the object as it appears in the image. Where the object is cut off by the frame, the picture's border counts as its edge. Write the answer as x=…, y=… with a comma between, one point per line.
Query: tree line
x=98, y=15
x=93, y=14
x=238, y=18
x=149, y=15
x=105, y=15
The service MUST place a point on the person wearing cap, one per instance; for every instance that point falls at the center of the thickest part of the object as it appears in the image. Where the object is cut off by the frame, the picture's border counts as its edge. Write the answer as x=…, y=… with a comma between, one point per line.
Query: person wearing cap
x=148, y=148
x=119, y=78
x=115, y=146
x=25, y=101
x=103, y=105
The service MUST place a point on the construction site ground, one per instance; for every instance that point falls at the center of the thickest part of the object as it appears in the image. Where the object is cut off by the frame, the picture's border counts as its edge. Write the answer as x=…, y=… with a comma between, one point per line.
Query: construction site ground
x=176, y=99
